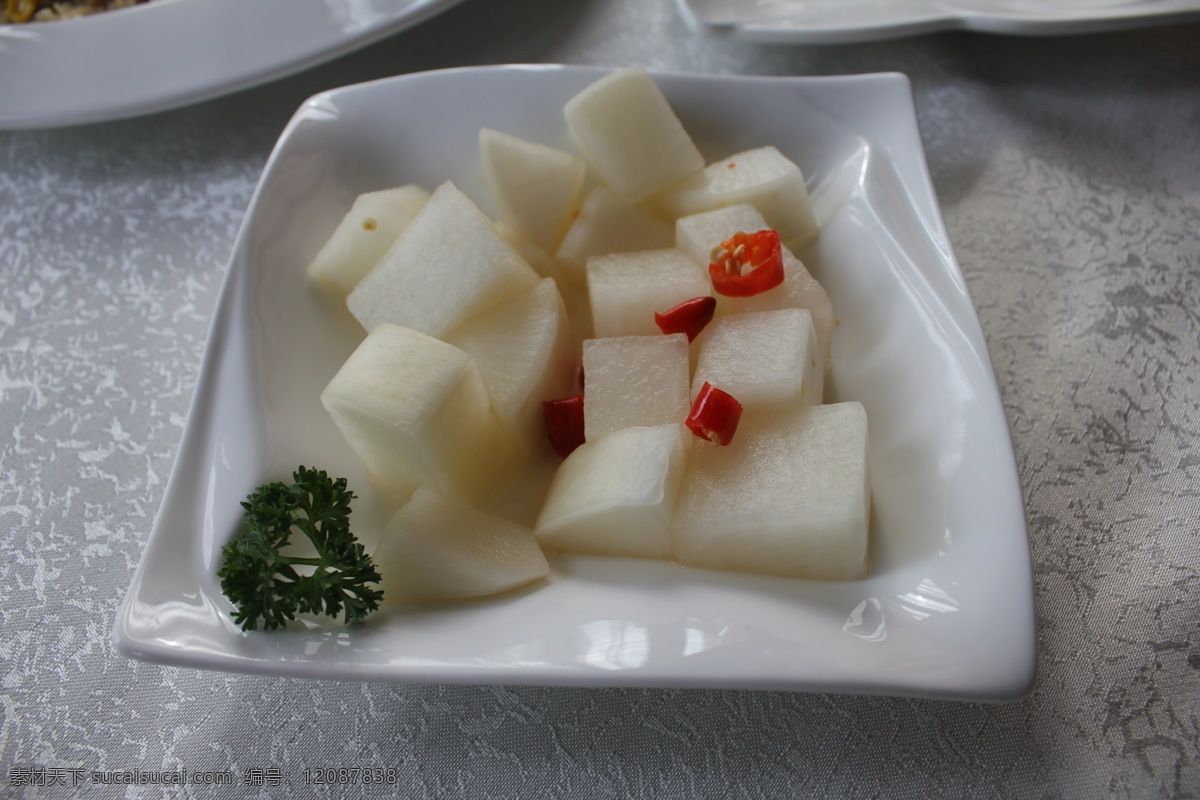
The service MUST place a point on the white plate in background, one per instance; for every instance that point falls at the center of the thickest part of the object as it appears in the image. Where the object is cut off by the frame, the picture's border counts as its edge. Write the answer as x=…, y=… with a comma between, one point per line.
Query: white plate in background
x=843, y=21
x=170, y=53
x=948, y=609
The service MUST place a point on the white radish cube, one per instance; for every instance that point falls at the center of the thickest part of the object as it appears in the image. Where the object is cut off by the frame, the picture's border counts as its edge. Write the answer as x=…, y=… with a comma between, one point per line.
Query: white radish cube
x=699, y=233
x=448, y=265
x=798, y=290
x=614, y=495
x=523, y=349
x=579, y=309
x=606, y=224
x=414, y=409
x=789, y=496
x=767, y=359
x=630, y=135
x=537, y=258
x=633, y=382
x=369, y=228
x=440, y=548
x=536, y=188
x=627, y=289
x=763, y=177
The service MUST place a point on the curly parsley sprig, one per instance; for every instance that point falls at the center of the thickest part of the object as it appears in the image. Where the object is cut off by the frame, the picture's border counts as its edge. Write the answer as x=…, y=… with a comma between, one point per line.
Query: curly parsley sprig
x=264, y=583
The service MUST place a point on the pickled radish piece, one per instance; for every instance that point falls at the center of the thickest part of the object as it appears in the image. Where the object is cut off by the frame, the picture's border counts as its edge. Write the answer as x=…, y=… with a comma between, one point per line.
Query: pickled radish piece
x=634, y=381
x=439, y=548
x=767, y=359
x=415, y=410
x=630, y=135
x=798, y=290
x=524, y=354
x=789, y=496
x=369, y=228
x=541, y=261
x=535, y=187
x=605, y=224
x=615, y=494
x=628, y=288
x=762, y=177
x=447, y=266
x=699, y=233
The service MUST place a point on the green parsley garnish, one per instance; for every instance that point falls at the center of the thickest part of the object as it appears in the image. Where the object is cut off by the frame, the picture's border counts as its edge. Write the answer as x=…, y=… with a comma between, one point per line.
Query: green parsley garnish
x=263, y=582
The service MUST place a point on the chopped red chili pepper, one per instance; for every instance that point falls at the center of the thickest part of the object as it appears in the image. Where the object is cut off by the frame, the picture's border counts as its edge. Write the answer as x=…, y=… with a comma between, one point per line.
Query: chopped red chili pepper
x=715, y=415
x=747, y=264
x=564, y=421
x=688, y=317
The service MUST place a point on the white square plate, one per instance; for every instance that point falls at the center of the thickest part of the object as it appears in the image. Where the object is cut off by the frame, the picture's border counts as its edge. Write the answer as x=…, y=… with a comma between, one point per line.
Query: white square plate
x=948, y=609
x=841, y=21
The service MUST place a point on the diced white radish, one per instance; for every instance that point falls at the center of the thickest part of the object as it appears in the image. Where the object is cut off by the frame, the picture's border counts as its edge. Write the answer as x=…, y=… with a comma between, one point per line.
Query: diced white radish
x=448, y=265
x=763, y=177
x=798, y=290
x=767, y=359
x=573, y=292
x=439, y=548
x=523, y=351
x=699, y=233
x=634, y=381
x=415, y=410
x=536, y=188
x=627, y=289
x=579, y=309
x=789, y=496
x=606, y=224
x=630, y=135
x=541, y=261
x=369, y=228
x=614, y=495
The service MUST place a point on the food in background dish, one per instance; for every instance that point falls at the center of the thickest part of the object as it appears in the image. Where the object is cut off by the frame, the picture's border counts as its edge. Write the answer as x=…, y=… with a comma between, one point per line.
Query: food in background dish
x=17, y=11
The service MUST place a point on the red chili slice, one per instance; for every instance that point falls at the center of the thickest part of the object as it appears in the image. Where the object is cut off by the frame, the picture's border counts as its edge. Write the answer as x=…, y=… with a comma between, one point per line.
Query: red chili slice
x=715, y=415
x=688, y=317
x=564, y=421
x=747, y=264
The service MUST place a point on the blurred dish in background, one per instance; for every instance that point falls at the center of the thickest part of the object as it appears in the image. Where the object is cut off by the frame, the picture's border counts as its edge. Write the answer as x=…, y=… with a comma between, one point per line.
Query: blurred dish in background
x=18, y=11
x=170, y=53
x=842, y=21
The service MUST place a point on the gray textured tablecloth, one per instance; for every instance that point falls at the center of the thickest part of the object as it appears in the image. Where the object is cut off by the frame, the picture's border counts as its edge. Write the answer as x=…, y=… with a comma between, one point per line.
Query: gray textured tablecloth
x=1068, y=171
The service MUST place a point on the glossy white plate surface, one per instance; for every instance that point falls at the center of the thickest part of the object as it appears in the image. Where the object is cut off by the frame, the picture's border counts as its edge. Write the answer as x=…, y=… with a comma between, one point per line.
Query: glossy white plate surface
x=170, y=53
x=834, y=21
x=948, y=610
